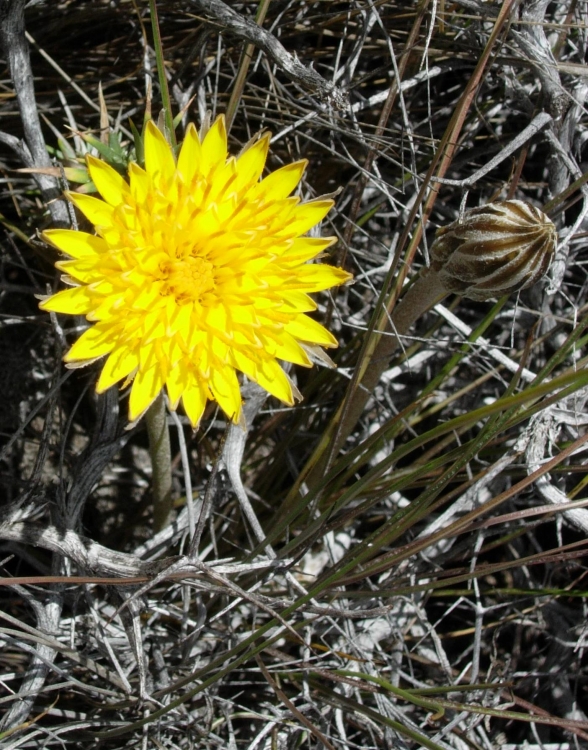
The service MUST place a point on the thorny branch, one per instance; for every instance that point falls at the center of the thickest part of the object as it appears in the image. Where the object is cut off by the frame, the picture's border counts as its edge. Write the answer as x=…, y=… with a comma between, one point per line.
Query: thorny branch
x=100, y=561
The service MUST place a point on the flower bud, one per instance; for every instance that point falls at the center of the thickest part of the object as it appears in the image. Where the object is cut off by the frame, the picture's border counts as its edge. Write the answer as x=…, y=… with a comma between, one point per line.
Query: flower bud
x=493, y=250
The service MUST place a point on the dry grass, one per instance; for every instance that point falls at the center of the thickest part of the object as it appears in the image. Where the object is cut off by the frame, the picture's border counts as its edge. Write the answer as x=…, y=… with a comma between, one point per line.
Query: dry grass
x=430, y=592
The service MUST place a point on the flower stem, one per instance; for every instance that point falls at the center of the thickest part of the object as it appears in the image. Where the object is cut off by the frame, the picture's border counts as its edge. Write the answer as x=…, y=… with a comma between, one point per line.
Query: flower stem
x=159, y=448
x=165, y=99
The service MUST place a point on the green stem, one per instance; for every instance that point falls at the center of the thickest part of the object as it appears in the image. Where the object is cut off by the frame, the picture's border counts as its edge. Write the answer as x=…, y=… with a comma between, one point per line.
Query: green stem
x=165, y=100
x=159, y=448
x=244, y=68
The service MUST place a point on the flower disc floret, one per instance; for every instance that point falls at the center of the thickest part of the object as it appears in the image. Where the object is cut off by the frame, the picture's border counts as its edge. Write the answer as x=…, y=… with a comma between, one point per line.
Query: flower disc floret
x=198, y=270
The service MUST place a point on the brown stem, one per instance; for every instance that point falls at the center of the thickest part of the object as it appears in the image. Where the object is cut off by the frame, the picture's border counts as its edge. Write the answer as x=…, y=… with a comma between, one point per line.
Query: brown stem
x=16, y=52
x=160, y=451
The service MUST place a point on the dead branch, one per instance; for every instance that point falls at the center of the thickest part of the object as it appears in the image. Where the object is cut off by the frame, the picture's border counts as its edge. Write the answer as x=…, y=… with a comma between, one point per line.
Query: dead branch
x=243, y=28
x=16, y=49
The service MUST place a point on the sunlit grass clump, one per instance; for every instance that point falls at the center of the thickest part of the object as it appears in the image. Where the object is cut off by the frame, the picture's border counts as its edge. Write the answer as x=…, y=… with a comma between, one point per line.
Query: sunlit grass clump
x=199, y=270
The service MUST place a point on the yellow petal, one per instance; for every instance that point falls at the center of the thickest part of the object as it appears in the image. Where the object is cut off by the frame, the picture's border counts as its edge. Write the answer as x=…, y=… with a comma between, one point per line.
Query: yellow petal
x=216, y=318
x=159, y=161
x=307, y=215
x=295, y=301
x=279, y=184
x=76, y=301
x=84, y=270
x=148, y=297
x=179, y=320
x=95, y=210
x=303, y=249
x=139, y=183
x=194, y=400
x=251, y=163
x=146, y=387
x=225, y=389
x=147, y=356
x=245, y=362
x=190, y=155
x=275, y=381
x=75, y=244
x=214, y=147
x=104, y=308
x=176, y=383
x=307, y=329
x=93, y=343
x=288, y=349
x=109, y=183
x=317, y=277
x=121, y=363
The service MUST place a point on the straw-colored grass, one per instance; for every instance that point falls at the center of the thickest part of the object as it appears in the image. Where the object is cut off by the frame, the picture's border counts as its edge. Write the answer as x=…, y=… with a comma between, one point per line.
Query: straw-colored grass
x=425, y=585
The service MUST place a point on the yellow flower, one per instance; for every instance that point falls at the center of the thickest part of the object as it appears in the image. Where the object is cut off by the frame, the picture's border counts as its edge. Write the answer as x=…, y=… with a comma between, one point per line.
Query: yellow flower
x=198, y=270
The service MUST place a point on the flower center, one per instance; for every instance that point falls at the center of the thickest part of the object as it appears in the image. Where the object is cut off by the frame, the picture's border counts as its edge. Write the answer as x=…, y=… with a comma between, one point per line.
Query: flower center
x=188, y=279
